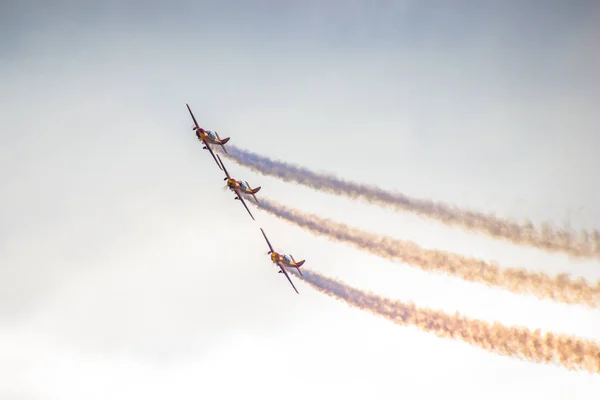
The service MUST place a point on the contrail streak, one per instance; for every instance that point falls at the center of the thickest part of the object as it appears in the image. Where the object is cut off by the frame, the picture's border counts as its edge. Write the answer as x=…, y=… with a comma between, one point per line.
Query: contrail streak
x=516, y=280
x=583, y=245
x=569, y=351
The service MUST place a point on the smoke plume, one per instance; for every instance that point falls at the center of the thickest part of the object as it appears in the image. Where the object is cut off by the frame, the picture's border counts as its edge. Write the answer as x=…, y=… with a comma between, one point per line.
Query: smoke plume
x=583, y=245
x=516, y=280
x=569, y=351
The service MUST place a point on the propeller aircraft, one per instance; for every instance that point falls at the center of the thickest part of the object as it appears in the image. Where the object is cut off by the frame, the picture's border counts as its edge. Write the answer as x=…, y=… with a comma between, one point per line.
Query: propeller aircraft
x=208, y=137
x=239, y=187
x=283, y=260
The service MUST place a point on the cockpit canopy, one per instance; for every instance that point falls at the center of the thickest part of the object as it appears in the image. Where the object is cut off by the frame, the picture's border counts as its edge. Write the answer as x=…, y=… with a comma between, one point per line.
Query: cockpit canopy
x=243, y=185
x=287, y=258
x=211, y=134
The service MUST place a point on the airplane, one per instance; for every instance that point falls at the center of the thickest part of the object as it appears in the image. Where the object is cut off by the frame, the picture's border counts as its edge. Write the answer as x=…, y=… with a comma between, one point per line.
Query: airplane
x=207, y=137
x=282, y=260
x=239, y=187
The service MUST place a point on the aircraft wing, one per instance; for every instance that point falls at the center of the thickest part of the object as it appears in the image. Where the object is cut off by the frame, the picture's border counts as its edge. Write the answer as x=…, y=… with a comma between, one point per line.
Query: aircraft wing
x=269, y=243
x=223, y=165
x=212, y=154
x=205, y=143
x=244, y=203
x=192, y=114
x=288, y=277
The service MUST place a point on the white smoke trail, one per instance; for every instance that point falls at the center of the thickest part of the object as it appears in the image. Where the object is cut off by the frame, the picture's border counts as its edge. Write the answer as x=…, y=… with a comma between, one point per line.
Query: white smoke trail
x=516, y=280
x=583, y=245
x=569, y=351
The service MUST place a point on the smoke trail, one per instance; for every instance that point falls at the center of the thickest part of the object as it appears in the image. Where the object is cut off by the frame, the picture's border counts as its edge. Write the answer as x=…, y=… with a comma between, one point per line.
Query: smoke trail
x=569, y=351
x=584, y=245
x=516, y=280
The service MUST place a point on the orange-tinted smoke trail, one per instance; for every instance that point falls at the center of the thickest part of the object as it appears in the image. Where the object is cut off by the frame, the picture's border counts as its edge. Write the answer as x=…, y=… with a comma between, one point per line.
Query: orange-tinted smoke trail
x=583, y=245
x=516, y=280
x=569, y=351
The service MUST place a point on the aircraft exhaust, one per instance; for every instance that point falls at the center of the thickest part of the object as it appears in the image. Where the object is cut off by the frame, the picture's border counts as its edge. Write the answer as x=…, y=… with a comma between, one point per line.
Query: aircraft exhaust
x=568, y=351
x=585, y=244
x=515, y=280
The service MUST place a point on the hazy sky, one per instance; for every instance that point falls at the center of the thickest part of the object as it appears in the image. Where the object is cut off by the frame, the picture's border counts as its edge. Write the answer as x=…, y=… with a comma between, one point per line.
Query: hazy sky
x=127, y=271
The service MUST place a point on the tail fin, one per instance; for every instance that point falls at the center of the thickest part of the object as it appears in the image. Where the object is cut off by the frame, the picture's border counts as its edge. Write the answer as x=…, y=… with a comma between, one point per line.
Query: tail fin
x=253, y=191
x=223, y=141
x=298, y=264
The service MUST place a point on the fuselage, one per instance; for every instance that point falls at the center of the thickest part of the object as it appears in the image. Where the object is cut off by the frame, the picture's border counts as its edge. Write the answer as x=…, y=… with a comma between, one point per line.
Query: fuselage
x=282, y=258
x=209, y=136
x=234, y=184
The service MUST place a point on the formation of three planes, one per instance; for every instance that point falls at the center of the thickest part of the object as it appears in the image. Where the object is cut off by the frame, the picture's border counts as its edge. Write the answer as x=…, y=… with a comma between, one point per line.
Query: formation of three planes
x=208, y=138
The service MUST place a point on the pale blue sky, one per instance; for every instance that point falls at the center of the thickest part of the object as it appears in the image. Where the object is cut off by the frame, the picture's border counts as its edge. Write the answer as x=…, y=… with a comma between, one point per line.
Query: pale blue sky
x=128, y=272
